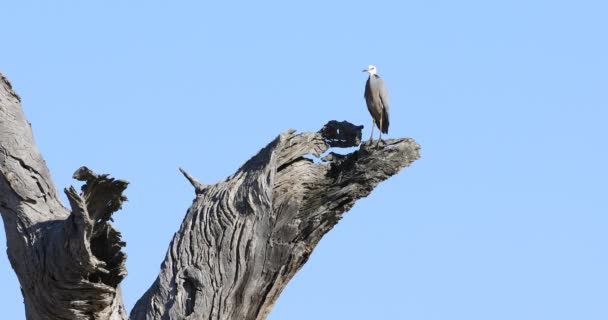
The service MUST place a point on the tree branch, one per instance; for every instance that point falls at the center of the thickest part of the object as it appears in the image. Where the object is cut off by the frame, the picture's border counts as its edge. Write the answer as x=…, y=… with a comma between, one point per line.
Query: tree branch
x=245, y=237
x=198, y=186
x=69, y=264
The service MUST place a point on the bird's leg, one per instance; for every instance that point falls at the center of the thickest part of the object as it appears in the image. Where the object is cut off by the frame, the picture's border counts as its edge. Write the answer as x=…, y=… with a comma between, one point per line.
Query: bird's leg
x=380, y=138
x=371, y=138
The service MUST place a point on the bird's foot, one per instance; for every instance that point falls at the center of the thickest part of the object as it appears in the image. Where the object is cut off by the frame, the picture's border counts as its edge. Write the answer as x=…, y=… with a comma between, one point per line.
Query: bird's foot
x=379, y=143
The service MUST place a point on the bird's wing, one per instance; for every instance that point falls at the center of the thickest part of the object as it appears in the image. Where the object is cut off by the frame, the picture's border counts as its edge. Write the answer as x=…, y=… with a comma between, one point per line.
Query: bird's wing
x=383, y=95
x=367, y=93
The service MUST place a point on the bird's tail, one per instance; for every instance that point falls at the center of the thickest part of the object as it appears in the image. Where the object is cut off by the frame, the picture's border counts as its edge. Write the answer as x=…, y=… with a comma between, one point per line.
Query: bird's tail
x=385, y=122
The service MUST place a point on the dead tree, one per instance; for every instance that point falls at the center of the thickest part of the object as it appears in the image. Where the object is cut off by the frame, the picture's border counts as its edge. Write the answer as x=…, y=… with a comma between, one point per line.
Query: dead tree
x=239, y=244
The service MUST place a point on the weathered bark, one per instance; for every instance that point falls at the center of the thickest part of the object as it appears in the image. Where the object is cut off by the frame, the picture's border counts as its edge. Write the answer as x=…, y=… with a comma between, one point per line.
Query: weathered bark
x=69, y=263
x=240, y=242
x=245, y=237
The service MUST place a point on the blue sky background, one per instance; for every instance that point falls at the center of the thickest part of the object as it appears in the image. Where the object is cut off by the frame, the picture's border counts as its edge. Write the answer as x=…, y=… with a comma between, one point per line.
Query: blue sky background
x=503, y=217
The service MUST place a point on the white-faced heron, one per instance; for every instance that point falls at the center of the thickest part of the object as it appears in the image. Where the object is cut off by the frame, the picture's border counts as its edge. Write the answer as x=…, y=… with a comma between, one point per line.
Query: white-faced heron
x=376, y=97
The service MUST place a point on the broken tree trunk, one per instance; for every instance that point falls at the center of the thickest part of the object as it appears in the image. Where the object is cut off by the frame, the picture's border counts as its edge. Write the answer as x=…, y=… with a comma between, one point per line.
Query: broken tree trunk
x=240, y=242
x=69, y=263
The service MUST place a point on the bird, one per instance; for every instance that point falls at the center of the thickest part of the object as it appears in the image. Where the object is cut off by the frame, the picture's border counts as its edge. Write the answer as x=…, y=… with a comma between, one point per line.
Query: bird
x=376, y=97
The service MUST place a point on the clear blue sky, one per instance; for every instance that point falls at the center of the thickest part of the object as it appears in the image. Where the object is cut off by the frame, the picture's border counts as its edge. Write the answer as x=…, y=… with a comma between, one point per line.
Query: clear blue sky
x=503, y=217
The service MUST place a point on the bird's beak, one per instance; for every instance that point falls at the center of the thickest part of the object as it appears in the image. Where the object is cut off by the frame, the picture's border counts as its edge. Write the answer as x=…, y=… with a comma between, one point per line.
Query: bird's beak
x=364, y=70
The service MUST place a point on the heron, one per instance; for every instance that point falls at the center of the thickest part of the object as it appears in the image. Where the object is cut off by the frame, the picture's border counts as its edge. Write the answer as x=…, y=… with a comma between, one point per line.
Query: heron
x=376, y=97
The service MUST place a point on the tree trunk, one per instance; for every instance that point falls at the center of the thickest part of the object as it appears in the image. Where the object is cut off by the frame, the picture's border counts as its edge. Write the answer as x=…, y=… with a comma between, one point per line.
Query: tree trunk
x=240, y=242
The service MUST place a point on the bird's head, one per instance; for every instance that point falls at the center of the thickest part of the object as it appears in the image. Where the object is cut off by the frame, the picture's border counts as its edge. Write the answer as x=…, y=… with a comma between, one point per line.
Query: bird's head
x=370, y=69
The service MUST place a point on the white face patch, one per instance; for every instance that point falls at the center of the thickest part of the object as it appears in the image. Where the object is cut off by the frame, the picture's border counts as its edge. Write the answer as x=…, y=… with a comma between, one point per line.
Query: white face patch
x=371, y=69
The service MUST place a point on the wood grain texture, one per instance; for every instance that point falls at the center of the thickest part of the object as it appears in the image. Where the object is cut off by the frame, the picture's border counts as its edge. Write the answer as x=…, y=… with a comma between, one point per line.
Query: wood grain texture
x=239, y=244
x=68, y=262
x=245, y=237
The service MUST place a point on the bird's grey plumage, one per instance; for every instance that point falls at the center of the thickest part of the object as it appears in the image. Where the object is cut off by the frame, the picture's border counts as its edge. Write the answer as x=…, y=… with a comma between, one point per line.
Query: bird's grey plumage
x=376, y=97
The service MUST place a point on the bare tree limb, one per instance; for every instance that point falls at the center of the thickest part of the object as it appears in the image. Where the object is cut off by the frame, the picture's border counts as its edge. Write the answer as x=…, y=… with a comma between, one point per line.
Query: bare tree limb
x=198, y=187
x=245, y=237
x=69, y=264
